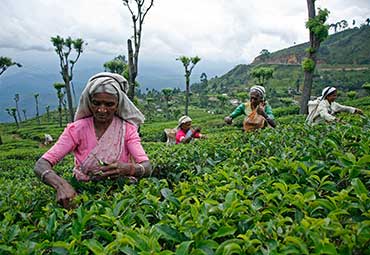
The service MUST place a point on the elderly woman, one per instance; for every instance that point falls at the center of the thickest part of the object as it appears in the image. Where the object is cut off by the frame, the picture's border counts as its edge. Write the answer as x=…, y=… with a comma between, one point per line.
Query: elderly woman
x=185, y=133
x=258, y=112
x=324, y=108
x=103, y=138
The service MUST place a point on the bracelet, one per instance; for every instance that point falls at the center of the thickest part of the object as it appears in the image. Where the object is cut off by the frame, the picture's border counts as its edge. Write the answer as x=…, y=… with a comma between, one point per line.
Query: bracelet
x=43, y=174
x=142, y=171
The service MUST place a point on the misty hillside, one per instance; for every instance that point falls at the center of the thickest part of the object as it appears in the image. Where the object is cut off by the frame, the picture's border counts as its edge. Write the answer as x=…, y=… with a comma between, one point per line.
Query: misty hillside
x=343, y=61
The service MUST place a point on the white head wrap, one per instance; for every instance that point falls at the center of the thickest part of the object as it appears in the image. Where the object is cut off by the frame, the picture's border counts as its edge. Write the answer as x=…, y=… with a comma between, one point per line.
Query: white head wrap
x=183, y=120
x=114, y=84
x=326, y=91
x=261, y=90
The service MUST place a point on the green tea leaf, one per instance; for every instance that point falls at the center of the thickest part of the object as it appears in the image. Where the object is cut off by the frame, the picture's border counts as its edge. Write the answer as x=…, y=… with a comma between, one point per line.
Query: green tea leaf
x=183, y=248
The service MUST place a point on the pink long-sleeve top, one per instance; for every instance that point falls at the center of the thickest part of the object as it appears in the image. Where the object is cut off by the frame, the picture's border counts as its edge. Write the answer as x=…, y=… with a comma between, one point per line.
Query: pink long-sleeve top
x=79, y=137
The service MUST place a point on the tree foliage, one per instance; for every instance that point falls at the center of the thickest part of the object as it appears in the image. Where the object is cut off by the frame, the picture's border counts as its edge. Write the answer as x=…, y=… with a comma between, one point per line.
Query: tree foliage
x=262, y=74
x=63, y=48
x=189, y=64
x=5, y=63
x=117, y=65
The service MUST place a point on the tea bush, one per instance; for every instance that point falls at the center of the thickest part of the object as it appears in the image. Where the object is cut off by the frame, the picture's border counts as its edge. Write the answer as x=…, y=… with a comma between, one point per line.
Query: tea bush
x=294, y=189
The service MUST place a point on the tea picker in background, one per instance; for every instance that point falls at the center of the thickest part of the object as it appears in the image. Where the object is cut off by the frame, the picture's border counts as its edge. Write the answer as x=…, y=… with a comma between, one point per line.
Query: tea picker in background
x=258, y=112
x=103, y=138
x=324, y=108
x=185, y=133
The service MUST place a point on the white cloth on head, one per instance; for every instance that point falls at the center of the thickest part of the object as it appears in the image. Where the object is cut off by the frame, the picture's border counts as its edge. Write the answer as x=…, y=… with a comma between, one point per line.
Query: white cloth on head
x=259, y=89
x=126, y=109
x=326, y=91
x=183, y=120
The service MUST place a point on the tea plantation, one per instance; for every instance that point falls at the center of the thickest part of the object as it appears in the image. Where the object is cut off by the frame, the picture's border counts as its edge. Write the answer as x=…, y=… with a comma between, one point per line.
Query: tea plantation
x=290, y=190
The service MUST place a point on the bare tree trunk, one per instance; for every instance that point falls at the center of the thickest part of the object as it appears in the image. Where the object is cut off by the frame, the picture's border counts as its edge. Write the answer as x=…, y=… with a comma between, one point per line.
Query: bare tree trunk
x=187, y=93
x=308, y=74
x=131, y=71
x=16, y=107
x=69, y=94
x=60, y=113
x=37, y=111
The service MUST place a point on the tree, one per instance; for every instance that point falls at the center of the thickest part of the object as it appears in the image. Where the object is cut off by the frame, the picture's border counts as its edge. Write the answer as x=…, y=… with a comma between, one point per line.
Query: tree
x=117, y=65
x=63, y=47
x=262, y=75
x=13, y=112
x=137, y=16
x=60, y=95
x=47, y=108
x=24, y=114
x=367, y=22
x=335, y=26
x=318, y=31
x=186, y=61
x=36, y=95
x=204, y=82
x=16, y=99
x=5, y=63
x=167, y=93
x=264, y=52
x=344, y=24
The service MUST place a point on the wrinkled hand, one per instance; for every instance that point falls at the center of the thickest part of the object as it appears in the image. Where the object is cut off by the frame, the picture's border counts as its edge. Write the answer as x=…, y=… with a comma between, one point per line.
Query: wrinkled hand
x=261, y=110
x=110, y=171
x=228, y=120
x=65, y=195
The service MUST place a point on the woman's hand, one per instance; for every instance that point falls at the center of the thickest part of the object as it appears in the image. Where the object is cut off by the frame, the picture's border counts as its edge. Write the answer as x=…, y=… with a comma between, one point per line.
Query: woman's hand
x=359, y=111
x=228, y=120
x=261, y=110
x=65, y=194
x=112, y=171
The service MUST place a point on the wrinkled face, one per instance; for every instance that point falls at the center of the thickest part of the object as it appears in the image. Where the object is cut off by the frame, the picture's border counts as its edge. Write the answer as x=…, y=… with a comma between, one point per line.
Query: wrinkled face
x=332, y=96
x=185, y=126
x=255, y=98
x=103, y=106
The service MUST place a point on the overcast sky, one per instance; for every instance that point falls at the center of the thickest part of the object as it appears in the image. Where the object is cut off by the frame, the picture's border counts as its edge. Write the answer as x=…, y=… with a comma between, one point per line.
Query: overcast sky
x=224, y=31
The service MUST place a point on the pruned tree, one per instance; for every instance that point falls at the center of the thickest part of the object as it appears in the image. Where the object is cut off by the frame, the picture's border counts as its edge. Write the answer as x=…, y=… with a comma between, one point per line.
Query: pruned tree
x=186, y=61
x=63, y=47
x=5, y=63
x=343, y=24
x=36, y=95
x=117, y=65
x=59, y=86
x=24, y=114
x=167, y=94
x=47, y=108
x=138, y=10
x=203, y=82
x=334, y=26
x=16, y=99
x=262, y=75
x=13, y=112
x=318, y=33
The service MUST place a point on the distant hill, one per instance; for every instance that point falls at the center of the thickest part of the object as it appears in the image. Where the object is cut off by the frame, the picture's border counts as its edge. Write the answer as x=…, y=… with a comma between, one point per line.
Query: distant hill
x=343, y=61
x=349, y=47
